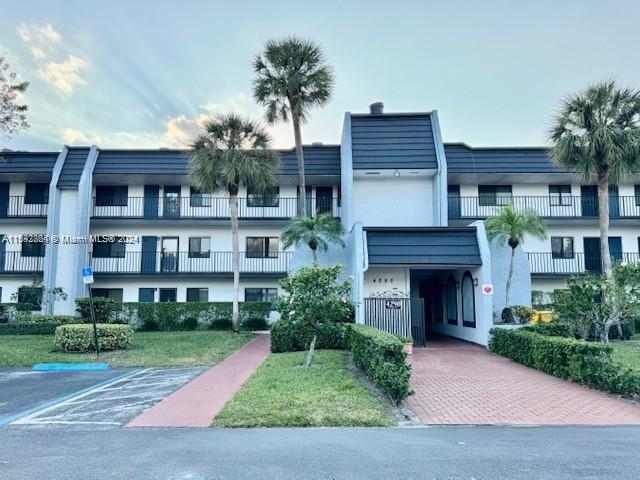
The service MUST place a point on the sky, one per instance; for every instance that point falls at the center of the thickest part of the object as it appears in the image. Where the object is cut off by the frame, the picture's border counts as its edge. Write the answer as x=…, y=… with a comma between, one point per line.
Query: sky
x=148, y=73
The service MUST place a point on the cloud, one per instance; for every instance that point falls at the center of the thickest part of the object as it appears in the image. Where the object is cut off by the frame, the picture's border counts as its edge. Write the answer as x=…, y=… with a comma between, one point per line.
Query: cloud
x=64, y=76
x=43, y=35
x=38, y=53
x=181, y=131
x=71, y=136
x=240, y=103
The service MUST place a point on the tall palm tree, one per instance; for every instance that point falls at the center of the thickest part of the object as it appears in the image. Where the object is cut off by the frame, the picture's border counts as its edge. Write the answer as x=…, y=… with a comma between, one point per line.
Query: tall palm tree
x=597, y=134
x=316, y=232
x=233, y=151
x=512, y=226
x=292, y=77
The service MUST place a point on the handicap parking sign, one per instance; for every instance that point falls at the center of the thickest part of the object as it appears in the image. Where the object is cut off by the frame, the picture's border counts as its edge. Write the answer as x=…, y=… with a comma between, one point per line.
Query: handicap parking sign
x=87, y=275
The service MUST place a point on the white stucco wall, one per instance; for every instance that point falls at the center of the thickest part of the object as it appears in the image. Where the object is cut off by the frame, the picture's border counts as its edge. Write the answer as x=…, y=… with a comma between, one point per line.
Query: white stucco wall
x=520, y=292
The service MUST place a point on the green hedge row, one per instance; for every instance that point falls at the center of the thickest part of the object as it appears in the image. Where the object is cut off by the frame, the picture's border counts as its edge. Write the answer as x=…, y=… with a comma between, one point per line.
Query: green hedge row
x=79, y=337
x=584, y=362
x=379, y=354
x=382, y=357
x=36, y=324
x=9, y=311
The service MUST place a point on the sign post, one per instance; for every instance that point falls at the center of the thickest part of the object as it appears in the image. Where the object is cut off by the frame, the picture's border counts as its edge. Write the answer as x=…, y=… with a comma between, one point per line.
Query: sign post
x=87, y=279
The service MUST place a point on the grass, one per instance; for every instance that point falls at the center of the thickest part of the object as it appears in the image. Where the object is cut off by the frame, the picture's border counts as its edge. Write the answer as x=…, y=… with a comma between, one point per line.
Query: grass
x=148, y=349
x=282, y=393
x=627, y=352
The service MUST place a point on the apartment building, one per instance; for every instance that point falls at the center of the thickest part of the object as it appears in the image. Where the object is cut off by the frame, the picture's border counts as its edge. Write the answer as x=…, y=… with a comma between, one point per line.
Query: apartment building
x=412, y=207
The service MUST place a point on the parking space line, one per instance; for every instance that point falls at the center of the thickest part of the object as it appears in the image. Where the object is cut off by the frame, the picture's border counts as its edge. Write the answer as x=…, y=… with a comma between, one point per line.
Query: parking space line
x=32, y=412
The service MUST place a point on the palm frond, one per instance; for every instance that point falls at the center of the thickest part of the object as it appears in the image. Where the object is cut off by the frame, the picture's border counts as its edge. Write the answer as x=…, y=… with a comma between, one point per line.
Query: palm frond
x=321, y=230
x=512, y=226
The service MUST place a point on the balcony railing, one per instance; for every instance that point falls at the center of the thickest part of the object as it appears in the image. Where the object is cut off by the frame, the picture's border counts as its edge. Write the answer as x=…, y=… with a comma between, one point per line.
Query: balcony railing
x=213, y=208
x=545, y=264
x=545, y=206
x=12, y=207
x=14, y=262
x=187, y=262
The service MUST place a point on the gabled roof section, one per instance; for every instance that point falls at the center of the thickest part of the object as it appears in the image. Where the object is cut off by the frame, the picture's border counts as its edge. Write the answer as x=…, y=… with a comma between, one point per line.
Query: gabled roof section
x=72, y=168
x=319, y=160
x=393, y=140
x=462, y=158
x=428, y=247
x=27, y=162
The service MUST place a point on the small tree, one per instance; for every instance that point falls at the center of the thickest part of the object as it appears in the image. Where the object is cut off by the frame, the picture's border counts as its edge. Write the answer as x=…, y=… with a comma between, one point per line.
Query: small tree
x=316, y=232
x=292, y=77
x=512, y=226
x=231, y=152
x=13, y=114
x=38, y=296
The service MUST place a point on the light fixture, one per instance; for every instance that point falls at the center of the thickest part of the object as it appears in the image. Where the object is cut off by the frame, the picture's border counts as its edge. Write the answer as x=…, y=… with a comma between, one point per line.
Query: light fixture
x=475, y=282
x=396, y=173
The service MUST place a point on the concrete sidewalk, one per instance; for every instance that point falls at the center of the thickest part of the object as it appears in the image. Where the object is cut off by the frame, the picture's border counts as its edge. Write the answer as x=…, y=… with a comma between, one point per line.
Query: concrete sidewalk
x=199, y=401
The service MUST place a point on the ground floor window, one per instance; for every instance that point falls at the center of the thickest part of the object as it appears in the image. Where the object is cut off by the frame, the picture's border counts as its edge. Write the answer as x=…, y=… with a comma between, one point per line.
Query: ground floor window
x=114, y=294
x=468, y=301
x=32, y=296
x=197, y=294
x=168, y=294
x=146, y=295
x=261, y=295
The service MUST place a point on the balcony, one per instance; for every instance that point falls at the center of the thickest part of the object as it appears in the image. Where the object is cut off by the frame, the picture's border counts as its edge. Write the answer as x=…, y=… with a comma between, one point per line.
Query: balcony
x=14, y=262
x=545, y=206
x=15, y=207
x=543, y=264
x=212, y=208
x=163, y=263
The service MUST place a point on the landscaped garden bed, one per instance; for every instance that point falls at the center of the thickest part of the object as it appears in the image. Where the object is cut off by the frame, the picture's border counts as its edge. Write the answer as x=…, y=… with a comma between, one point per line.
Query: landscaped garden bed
x=283, y=393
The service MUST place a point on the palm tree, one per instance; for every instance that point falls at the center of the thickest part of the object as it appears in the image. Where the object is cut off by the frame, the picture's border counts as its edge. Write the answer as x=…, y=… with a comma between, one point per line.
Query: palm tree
x=233, y=151
x=513, y=226
x=317, y=232
x=597, y=134
x=292, y=77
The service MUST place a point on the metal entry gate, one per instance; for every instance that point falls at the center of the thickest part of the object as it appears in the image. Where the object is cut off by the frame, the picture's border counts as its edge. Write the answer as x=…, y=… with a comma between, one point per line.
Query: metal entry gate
x=399, y=316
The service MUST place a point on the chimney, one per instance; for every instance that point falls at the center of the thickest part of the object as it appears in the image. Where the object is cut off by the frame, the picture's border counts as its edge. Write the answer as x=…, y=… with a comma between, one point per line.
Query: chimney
x=376, y=108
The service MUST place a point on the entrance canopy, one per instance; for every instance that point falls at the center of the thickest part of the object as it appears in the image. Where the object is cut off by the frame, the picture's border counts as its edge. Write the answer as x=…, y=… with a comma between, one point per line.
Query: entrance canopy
x=430, y=247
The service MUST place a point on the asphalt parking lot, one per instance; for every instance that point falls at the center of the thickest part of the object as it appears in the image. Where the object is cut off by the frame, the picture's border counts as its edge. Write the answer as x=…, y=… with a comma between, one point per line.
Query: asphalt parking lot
x=111, y=397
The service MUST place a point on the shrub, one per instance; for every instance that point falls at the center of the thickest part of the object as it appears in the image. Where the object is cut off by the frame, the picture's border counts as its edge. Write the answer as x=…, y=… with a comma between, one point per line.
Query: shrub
x=104, y=309
x=10, y=312
x=290, y=336
x=523, y=313
x=28, y=328
x=577, y=360
x=382, y=357
x=553, y=329
x=79, y=338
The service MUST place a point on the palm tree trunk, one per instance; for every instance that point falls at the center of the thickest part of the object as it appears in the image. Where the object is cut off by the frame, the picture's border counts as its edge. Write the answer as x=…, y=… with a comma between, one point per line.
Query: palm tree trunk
x=603, y=221
x=235, y=261
x=315, y=257
x=508, y=289
x=302, y=194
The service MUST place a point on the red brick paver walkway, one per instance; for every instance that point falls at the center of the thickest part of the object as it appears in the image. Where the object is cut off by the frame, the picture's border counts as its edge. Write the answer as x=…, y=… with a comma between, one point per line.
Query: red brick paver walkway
x=195, y=404
x=460, y=383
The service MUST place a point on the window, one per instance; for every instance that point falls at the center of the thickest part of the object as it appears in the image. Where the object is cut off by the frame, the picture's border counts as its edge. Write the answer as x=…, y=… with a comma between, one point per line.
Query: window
x=562, y=247
x=261, y=295
x=270, y=199
x=199, y=247
x=493, y=195
x=560, y=195
x=115, y=249
x=451, y=301
x=468, y=301
x=339, y=194
x=168, y=294
x=146, y=295
x=199, y=199
x=32, y=249
x=32, y=296
x=36, y=193
x=262, y=247
x=114, y=294
x=111, y=196
x=197, y=294
x=637, y=192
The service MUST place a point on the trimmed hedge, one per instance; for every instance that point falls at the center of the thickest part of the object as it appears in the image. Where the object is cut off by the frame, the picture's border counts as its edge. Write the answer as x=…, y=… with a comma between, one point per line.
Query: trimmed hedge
x=382, y=357
x=10, y=311
x=37, y=324
x=291, y=336
x=79, y=337
x=104, y=309
x=553, y=329
x=577, y=360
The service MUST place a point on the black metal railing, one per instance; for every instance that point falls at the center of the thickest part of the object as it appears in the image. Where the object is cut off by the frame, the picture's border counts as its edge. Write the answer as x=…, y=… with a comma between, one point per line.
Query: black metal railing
x=544, y=263
x=15, y=206
x=212, y=207
x=545, y=206
x=15, y=262
x=399, y=316
x=189, y=262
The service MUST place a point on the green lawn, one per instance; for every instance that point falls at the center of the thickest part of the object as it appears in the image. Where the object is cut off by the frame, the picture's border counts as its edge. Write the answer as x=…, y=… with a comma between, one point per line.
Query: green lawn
x=282, y=393
x=148, y=349
x=627, y=352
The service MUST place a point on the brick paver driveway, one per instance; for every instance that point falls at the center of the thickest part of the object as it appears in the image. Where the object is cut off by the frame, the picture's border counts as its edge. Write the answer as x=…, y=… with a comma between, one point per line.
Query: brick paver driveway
x=460, y=383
